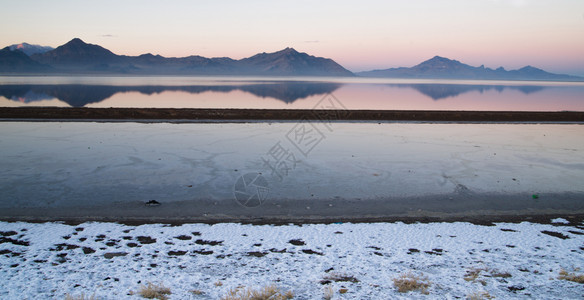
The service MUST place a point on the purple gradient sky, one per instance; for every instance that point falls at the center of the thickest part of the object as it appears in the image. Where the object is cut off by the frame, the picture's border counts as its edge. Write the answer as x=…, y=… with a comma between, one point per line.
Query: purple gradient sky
x=359, y=35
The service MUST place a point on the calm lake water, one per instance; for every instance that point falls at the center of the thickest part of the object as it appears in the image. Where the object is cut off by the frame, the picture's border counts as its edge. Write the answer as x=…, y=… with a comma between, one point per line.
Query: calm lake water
x=355, y=170
x=211, y=171
x=290, y=93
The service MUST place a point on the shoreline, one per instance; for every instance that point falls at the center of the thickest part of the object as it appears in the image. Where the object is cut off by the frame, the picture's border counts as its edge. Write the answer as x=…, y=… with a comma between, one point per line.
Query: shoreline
x=361, y=172
x=186, y=115
x=476, y=209
x=482, y=220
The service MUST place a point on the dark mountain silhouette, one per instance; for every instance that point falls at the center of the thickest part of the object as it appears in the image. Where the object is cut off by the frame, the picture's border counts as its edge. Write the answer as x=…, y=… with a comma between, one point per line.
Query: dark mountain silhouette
x=15, y=61
x=292, y=62
x=77, y=56
x=444, y=68
x=29, y=49
x=81, y=95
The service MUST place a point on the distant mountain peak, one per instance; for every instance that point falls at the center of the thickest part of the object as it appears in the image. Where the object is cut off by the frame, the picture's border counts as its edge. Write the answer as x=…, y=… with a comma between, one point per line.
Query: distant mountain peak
x=30, y=49
x=76, y=52
x=285, y=51
x=150, y=55
x=78, y=45
x=438, y=57
x=440, y=60
x=530, y=69
x=288, y=61
x=289, y=50
x=76, y=41
x=21, y=45
x=439, y=67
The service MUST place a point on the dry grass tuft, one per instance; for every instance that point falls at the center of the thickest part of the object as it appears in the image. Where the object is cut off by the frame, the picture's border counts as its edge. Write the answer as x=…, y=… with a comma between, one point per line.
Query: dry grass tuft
x=409, y=282
x=218, y=283
x=474, y=273
x=154, y=291
x=571, y=276
x=196, y=292
x=270, y=292
x=495, y=273
x=289, y=295
x=479, y=296
x=80, y=297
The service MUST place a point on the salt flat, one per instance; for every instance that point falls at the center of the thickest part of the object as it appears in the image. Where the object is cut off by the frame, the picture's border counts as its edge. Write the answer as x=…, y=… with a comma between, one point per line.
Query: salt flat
x=198, y=261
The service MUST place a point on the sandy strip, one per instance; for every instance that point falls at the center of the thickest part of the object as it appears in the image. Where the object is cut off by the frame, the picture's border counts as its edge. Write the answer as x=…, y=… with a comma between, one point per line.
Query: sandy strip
x=190, y=115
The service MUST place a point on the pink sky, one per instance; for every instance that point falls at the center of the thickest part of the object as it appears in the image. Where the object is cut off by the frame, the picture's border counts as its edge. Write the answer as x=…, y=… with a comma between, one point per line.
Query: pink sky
x=359, y=35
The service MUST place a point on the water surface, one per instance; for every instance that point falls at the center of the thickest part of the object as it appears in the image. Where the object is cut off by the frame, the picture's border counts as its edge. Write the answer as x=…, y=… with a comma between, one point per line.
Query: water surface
x=342, y=171
x=290, y=93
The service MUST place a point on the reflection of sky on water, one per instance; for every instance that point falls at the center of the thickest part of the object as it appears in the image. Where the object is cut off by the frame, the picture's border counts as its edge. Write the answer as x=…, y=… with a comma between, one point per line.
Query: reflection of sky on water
x=444, y=97
x=80, y=95
x=87, y=163
x=277, y=94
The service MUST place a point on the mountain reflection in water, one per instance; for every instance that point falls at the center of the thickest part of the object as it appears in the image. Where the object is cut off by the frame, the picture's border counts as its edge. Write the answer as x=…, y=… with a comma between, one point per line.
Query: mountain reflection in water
x=443, y=91
x=154, y=92
x=80, y=95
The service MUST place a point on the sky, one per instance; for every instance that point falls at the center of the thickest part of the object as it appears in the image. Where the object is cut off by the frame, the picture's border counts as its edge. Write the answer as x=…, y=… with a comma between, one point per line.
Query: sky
x=360, y=35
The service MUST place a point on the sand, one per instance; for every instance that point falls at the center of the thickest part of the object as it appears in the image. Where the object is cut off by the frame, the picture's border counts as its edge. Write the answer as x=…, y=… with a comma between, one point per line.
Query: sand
x=190, y=115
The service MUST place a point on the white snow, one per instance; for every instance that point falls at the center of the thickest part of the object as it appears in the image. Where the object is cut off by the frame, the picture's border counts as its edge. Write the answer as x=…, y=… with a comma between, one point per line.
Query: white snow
x=514, y=261
x=560, y=221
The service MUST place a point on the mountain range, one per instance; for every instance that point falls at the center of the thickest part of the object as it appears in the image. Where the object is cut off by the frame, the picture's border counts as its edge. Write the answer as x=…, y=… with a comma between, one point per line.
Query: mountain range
x=78, y=57
x=444, y=68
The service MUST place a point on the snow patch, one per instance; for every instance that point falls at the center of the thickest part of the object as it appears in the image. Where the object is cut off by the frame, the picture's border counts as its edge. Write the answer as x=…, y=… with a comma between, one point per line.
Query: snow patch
x=355, y=261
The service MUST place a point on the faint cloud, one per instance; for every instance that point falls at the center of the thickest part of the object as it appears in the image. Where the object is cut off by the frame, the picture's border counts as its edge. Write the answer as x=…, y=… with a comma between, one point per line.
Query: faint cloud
x=314, y=41
x=519, y=2
x=108, y=35
x=516, y=3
